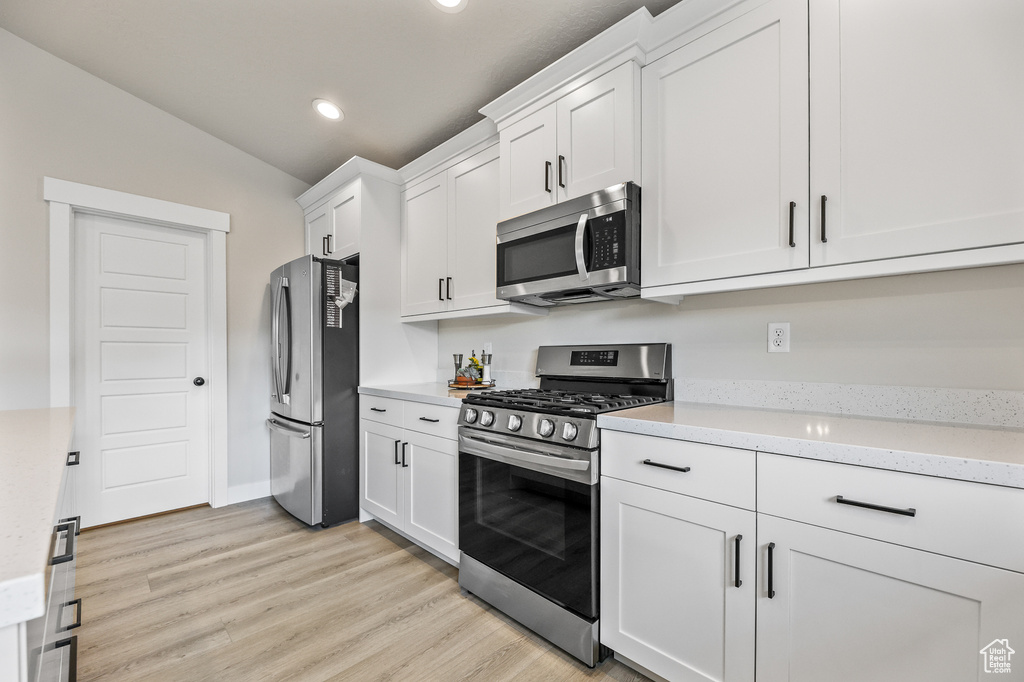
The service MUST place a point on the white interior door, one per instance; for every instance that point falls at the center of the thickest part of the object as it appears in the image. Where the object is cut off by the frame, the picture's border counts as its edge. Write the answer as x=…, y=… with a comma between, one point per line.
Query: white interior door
x=142, y=423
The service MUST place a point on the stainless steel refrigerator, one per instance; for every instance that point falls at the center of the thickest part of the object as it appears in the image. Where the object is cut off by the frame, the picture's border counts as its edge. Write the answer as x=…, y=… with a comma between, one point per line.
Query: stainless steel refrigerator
x=314, y=439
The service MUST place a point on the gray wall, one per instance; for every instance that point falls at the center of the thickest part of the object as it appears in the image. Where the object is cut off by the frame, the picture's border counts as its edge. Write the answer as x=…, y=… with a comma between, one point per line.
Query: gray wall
x=957, y=329
x=57, y=120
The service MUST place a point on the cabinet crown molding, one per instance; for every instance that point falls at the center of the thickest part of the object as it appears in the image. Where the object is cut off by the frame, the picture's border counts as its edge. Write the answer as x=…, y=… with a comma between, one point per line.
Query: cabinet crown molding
x=350, y=170
x=451, y=151
x=623, y=42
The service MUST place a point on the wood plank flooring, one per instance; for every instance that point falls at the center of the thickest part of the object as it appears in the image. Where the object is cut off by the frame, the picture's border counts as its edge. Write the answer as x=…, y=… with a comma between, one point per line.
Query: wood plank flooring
x=246, y=592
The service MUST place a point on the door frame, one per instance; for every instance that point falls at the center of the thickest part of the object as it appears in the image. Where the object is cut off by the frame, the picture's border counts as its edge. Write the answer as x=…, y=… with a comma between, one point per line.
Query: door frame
x=67, y=198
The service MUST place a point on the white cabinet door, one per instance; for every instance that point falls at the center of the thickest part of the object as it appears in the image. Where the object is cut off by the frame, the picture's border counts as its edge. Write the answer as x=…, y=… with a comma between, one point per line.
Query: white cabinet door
x=598, y=134
x=380, y=483
x=473, y=213
x=425, y=246
x=850, y=609
x=345, y=221
x=915, y=127
x=669, y=594
x=431, y=492
x=527, y=164
x=725, y=151
x=318, y=230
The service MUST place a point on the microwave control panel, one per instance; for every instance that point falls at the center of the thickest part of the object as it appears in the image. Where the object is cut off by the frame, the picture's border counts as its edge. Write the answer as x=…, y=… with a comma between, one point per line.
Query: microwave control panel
x=608, y=248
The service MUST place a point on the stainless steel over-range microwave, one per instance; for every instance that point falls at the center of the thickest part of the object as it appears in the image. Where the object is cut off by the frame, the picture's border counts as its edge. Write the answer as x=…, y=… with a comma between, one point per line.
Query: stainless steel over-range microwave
x=585, y=249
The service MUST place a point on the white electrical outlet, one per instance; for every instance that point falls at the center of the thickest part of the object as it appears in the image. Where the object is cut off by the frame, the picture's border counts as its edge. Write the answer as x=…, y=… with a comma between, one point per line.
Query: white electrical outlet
x=778, y=337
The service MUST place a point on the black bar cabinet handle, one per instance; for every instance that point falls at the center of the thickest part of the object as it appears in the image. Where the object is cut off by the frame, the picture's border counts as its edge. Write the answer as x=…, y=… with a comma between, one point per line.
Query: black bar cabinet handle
x=823, y=200
x=561, y=179
x=792, y=207
x=909, y=511
x=72, y=644
x=74, y=458
x=428, y=419
x=738, y=581
x=77, y=521
x=404, y=463
x=330, y=243
x=378, y=409
x=397, y=442
x=325, y=246
x=440, y=286
x=69, y=548
x=771, y=570
x=77, y=603
x=547, y=176
x=448, y=288
x=665, y=466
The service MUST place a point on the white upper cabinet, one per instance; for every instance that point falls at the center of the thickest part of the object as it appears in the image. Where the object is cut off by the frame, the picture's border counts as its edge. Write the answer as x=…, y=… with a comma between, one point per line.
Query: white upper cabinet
x=425, y=246
x=915, y=127
x=584, y=141
x=332, y=227
x=725, y=151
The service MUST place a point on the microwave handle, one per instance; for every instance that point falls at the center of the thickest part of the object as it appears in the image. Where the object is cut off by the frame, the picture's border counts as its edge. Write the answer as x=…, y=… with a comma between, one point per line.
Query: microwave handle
x=581, y=265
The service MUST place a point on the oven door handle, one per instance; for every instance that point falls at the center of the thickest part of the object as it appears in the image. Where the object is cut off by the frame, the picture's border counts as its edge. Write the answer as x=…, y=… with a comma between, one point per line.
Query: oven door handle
x=482, y=447
x=581, y=263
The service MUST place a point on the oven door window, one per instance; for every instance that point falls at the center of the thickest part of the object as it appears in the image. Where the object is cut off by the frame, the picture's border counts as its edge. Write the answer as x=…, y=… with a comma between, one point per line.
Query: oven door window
x=535, y=528
x=546, y=255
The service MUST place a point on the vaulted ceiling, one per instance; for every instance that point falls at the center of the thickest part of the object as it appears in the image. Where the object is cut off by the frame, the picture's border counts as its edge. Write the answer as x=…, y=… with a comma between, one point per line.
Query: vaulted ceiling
x=406, y=75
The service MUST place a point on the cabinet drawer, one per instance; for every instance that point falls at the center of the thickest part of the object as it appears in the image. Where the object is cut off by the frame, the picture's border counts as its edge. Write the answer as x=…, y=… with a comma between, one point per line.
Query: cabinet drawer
x=716, y=473
x=383, y=410
x=972, y=521
x=437, y=420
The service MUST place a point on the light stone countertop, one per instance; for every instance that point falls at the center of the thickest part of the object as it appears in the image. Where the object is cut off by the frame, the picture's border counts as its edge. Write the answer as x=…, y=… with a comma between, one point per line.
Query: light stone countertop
x=430, y=393
x=959, y=451
x=33, y=452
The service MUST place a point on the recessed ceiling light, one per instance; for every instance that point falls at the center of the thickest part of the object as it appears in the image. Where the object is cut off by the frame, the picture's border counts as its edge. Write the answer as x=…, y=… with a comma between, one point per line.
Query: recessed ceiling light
x=450, y=5
x=327, y=109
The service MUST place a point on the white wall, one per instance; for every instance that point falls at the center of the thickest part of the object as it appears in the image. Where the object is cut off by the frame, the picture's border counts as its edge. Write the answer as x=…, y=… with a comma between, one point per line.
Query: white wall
x=56, y=120
x=957, y=329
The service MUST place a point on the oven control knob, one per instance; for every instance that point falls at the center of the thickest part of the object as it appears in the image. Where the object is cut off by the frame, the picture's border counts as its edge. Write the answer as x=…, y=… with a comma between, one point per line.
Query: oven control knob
x=469, y=415
x=486, y=418
x=514, y=422
x=546, y=427
x=569, y=431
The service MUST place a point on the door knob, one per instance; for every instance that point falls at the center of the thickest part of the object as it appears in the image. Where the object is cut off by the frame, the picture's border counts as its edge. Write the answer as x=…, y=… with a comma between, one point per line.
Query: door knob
x=199, y=381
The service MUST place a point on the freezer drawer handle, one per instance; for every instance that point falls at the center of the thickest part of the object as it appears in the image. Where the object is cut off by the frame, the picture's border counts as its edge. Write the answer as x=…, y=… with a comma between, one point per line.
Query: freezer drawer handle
x=428, y=419
x=77, y=603
x=69, y=548
x=281, y=428
x=910, y=511
x=650, y=463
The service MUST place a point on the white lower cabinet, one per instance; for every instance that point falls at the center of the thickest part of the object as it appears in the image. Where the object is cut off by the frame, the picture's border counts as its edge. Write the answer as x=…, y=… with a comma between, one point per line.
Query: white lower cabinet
x=846, y=608
x=408, y=474
x=677, y=583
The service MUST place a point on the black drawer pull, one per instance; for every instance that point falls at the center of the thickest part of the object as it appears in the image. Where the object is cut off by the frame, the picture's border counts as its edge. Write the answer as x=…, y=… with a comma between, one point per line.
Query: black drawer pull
x=665, y=466
x=910, y=511
x=428, y=419
x=792, y=206
x=77, y=603
x=377, y=409
x=404, y=464
x=824, y=239
x=738, y=581
x=69, y=548
x=78, y=523
x=72, y=644
x=771, y=570
x=397, y=443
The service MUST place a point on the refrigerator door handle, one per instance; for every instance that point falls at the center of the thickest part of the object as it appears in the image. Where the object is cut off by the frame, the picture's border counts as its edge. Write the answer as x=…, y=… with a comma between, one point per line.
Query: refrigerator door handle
x=281, y=428
x=280, y=380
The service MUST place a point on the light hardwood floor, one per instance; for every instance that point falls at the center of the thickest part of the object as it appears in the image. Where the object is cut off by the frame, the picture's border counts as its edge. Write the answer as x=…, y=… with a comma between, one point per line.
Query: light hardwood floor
x=246, y=592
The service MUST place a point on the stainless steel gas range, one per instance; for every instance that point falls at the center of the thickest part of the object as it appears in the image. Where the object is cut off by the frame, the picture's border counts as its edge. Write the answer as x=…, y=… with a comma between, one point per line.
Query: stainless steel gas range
x=529, y=467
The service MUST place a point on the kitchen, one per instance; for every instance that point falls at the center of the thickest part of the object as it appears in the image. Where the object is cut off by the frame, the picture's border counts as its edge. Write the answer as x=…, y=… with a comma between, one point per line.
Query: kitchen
x=951, y=334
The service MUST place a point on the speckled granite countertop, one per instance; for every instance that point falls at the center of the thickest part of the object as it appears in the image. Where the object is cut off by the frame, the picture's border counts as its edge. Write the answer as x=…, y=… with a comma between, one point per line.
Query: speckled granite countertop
x=431, y=393
x=965, y=452
x=33, y=452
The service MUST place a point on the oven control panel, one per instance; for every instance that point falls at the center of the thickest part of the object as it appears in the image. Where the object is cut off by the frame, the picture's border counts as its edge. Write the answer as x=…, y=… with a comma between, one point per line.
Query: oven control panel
x=576, y=432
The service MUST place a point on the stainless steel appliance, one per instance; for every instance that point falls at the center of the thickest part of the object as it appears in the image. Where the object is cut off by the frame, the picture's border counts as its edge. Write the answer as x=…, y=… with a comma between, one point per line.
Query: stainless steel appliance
x=314, y=429
x=529, y=465
x=582, y=250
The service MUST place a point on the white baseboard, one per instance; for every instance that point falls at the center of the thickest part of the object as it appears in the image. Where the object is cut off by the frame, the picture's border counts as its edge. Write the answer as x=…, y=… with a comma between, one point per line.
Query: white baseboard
x=248, y=491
